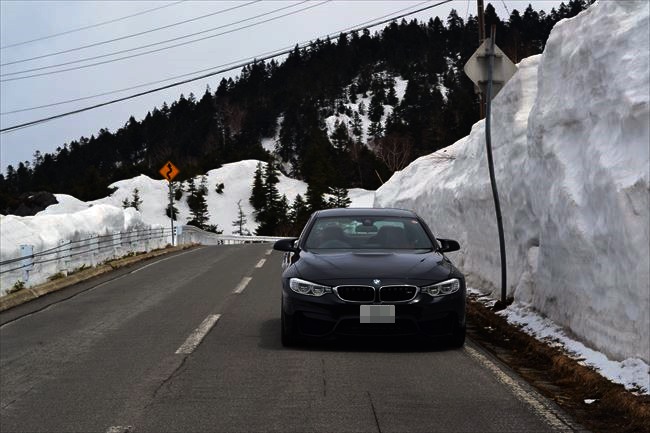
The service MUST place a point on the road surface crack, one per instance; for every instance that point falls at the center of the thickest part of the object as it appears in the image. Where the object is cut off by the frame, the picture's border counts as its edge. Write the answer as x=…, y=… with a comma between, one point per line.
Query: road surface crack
x=324, y=379
x=374, y=412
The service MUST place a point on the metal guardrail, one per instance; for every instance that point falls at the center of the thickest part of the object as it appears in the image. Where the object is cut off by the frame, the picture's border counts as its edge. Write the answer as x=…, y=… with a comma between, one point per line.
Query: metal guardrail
x=194, y=235
x=71, y=254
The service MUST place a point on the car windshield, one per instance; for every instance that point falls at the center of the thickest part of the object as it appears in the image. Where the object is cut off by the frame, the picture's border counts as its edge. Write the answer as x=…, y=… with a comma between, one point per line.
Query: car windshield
x=367, y=233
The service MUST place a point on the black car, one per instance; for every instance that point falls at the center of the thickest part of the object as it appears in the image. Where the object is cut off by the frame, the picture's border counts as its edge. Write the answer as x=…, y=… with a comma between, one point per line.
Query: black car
x=370, y=272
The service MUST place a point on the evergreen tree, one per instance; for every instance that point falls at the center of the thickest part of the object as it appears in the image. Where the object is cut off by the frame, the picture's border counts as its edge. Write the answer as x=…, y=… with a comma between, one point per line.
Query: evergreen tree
x=171, y=211
x=198, y=205
x=338, y=197
x=299, y=214
x=240, y=222
x=136, y=201
x=271, y=213
x=257, y=199
x=376, y=109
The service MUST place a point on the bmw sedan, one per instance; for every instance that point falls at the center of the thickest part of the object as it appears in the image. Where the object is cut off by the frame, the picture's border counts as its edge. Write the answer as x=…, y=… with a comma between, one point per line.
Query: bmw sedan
x=377, y=272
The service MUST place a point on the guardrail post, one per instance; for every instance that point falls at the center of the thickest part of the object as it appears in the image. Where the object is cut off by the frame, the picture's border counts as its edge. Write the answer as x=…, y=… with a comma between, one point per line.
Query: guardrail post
x=27, y=253
x=93, y=246
x=63, y=256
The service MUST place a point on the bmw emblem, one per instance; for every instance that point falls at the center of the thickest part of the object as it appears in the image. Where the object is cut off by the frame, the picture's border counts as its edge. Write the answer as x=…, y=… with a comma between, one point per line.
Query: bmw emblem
x=376, y=282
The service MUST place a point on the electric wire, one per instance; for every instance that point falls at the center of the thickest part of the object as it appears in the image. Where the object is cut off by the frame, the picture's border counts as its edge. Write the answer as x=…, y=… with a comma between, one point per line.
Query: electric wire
x=121, y=38
x=178, y=83
x=67, y=32
x=206, y=69
x=159, y=43
x=505, y=7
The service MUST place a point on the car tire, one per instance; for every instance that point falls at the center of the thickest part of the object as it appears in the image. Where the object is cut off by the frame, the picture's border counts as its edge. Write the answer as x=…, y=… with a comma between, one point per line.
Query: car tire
x=288, y=334
x=457, y=339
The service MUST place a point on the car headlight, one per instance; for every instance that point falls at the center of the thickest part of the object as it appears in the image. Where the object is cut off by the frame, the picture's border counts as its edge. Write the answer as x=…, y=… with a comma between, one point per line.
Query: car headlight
x=441, y=289
x=308, y=288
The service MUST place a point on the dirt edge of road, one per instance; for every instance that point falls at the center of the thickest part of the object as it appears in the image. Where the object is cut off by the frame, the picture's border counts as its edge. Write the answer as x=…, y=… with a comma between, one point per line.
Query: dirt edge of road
x=559, y=376
x=30, y=293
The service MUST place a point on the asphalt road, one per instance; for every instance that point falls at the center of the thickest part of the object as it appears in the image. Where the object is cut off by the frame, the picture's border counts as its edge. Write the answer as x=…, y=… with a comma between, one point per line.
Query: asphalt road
x=191, y=342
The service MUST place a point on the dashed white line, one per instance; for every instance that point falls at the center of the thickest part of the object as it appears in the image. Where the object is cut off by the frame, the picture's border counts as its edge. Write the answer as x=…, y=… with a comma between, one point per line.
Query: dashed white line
x=120, y=429
x=260, y=263
x=268, y=252
x=196, y=337
x=242, y=285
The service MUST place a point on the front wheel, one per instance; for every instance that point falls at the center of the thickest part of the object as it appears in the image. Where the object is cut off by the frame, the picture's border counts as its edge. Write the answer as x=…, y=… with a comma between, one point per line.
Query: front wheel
x=457, y=339
x=288, y=334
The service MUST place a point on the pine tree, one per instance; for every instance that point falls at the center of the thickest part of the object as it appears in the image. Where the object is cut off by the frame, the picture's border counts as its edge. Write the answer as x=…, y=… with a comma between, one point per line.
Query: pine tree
x=197, y=203
x=338, y=197
x=240, y=223
x=257, y=192
x=271, y=212
x=171, y=212
x=376, y=109
x=136, y=201
x=299, y=214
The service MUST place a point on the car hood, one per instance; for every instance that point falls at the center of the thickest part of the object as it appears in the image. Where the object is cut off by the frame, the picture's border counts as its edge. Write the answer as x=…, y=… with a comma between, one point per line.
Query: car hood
x=362, y=267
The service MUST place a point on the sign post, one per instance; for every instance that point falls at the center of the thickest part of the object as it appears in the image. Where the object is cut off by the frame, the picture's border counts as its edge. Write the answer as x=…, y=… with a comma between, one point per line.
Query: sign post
x=489, y=68
x=169, y=172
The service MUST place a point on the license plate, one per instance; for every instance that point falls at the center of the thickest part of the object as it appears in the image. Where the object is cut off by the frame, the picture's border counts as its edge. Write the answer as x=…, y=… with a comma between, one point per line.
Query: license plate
x=377, y=314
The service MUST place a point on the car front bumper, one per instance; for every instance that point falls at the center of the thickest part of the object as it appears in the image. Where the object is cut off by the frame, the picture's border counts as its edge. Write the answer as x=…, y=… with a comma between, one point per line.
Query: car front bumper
x=327, y=316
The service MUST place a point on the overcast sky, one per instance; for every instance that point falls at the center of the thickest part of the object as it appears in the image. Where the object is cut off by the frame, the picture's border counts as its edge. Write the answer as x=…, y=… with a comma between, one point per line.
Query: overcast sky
x=23, y=21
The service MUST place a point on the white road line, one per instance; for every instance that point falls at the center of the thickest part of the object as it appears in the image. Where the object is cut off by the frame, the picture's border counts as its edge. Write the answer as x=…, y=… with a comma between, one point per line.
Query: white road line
x=538, y=406
x=242, y=284
x=196, y=337
x=268, y=252
x=260, y=263
x=162, y=260
x=120, y=429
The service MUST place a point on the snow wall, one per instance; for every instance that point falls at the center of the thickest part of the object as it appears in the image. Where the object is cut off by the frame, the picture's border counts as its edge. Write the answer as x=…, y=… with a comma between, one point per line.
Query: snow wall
x=570, y=137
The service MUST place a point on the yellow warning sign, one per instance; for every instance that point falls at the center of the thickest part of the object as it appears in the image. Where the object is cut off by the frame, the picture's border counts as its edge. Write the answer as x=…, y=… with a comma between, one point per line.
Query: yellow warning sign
x=169, y=171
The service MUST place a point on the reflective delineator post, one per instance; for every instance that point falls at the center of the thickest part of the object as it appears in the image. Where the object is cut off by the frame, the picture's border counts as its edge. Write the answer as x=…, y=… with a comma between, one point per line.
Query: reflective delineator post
x=171, y=209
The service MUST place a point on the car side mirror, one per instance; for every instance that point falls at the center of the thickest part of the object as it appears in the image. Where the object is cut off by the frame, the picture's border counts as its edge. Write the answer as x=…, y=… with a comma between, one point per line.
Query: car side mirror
x=286, y=245
x=448, y=245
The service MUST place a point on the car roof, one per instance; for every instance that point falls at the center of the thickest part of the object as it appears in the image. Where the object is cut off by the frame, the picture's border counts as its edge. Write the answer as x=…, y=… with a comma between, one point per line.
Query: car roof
x=360, y=211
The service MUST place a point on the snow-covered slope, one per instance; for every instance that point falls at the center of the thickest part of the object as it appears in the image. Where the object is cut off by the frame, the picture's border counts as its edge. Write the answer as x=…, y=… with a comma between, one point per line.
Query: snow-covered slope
x=571, y=137
x=237, y=178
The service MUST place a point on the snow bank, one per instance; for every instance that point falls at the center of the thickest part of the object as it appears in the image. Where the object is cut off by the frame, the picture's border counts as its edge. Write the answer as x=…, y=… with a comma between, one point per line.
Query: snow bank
x=570, y=141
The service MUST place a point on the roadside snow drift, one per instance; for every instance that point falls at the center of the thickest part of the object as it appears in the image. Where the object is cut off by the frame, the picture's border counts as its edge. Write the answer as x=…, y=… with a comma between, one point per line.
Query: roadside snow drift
x=570, y=136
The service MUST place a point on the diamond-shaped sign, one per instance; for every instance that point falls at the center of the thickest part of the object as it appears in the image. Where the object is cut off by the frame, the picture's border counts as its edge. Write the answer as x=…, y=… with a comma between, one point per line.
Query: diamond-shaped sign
x=476, y=68
x=169, y=171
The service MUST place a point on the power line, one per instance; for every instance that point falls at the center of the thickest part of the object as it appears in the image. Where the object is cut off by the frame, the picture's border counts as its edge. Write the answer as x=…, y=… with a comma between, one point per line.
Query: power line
x=505, y=7
x=303, y=43
x=158, y=43
x=126, y=37
x=178, y=83
x=91, y=26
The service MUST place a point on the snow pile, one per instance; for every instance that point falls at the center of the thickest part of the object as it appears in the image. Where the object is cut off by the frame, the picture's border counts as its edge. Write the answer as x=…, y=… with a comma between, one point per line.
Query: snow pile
x=570, y=140
x=72, y=219
x=45, y=231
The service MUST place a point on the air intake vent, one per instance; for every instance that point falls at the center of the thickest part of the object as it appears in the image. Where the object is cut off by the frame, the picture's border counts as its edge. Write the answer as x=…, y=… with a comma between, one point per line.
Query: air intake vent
x=356, y=293
x=397, y=293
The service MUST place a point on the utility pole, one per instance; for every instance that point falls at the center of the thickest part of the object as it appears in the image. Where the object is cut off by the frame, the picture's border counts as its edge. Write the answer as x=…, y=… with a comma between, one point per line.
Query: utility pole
x=481, y=38
x=481, y=22
x=489, y=68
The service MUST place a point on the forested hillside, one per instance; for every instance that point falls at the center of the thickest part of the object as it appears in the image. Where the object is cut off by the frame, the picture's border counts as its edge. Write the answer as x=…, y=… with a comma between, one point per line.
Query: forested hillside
x=290, y=101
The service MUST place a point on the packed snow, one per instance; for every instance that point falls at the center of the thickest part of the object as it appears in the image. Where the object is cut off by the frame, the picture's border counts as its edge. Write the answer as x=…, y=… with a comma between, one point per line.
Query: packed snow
x=73, y=219
x=570, y=140
x=570, y=134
